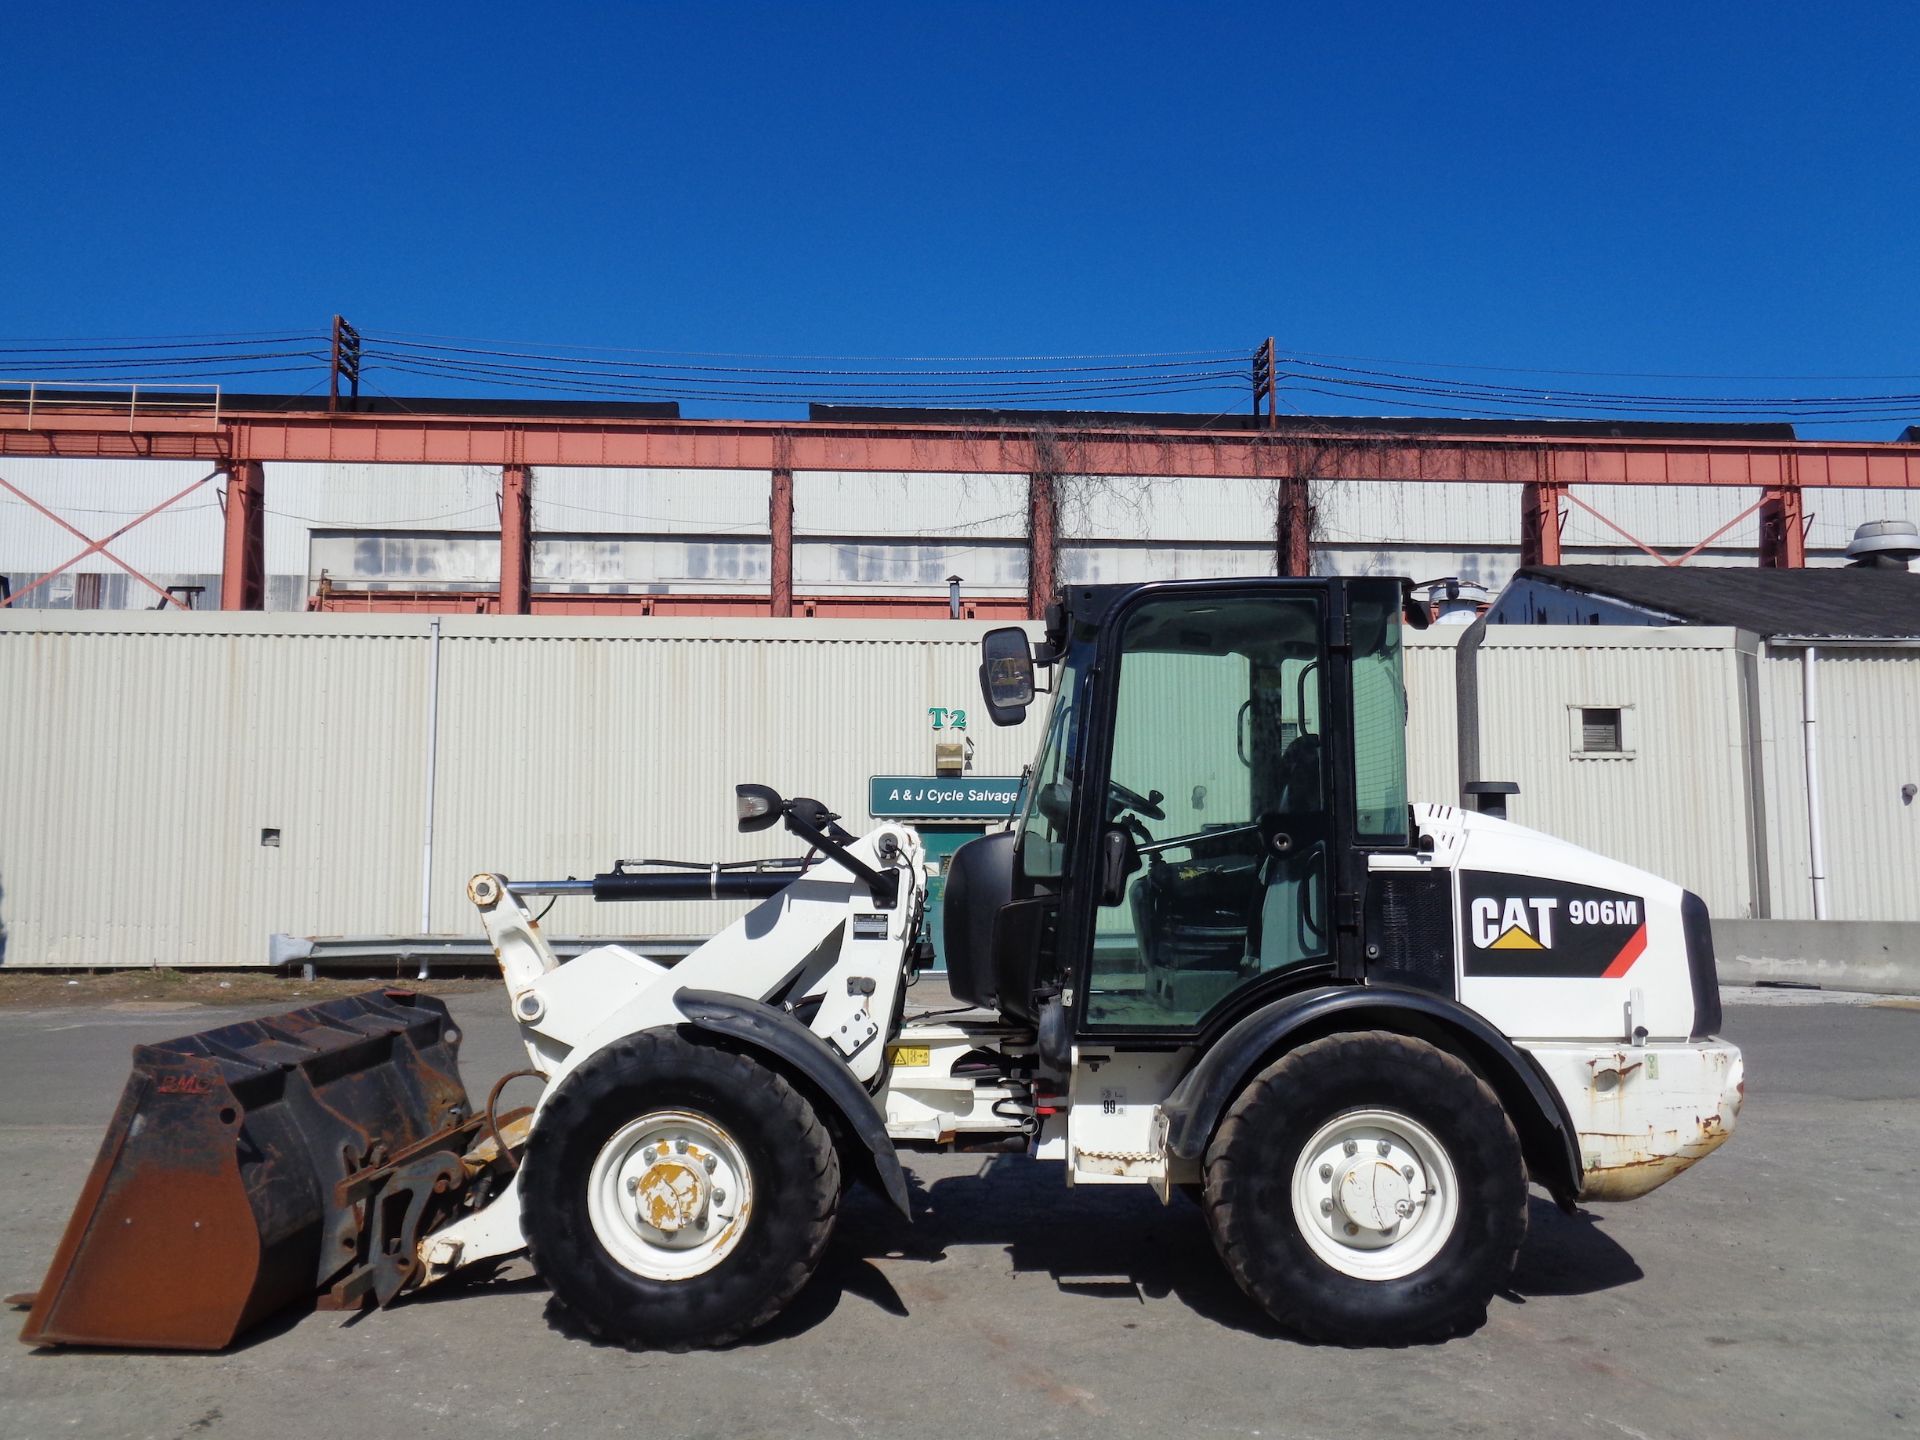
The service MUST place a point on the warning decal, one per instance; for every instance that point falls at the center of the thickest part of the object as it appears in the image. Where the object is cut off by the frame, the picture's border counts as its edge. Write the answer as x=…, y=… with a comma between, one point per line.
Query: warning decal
x=1522, y=925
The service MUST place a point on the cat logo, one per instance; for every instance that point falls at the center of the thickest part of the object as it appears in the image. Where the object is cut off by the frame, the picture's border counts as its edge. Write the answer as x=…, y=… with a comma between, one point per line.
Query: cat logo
x=1516, y=925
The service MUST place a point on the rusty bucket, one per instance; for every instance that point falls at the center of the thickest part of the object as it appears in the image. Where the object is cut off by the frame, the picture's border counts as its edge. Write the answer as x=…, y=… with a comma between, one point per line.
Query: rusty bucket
x=272, y=1163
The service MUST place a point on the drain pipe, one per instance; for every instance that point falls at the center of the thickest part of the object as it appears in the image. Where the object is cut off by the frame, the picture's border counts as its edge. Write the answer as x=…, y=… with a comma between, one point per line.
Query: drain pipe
x=1810, y=732
x=433, y=762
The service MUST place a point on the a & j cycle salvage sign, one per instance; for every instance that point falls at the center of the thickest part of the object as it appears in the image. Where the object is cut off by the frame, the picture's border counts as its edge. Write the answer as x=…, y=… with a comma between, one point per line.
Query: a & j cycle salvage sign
x=967, y=797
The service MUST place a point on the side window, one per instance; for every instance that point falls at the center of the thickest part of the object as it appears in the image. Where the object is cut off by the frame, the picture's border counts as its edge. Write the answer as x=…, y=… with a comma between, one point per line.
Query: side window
x=1049, y=806
x=1379, y=719
x=1218, y=774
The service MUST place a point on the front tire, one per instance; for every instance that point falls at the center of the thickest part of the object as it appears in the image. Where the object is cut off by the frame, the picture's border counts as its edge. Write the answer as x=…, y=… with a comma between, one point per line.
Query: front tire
x=1368, y=1189
x=675, y=1194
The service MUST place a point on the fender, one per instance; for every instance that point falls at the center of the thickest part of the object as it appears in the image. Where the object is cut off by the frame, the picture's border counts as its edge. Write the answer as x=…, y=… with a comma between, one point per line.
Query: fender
x=1547, y=1136
x=761, y=1027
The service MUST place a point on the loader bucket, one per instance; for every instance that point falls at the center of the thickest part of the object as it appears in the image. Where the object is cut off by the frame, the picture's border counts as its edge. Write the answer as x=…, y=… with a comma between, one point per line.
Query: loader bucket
x=258, y=1166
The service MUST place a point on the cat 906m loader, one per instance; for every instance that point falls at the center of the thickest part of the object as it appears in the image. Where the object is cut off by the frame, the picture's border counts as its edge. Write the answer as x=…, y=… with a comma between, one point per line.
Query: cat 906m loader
x=1216, y=952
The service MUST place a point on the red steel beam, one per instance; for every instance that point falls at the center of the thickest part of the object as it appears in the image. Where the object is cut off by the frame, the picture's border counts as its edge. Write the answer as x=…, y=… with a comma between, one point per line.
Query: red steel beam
x=984, y=448
x=780, y=530
x=1783, y=530
x=1043, y=549
x=1293, y=527
x=516, y=539
x=243, y=558
x=1540, y=523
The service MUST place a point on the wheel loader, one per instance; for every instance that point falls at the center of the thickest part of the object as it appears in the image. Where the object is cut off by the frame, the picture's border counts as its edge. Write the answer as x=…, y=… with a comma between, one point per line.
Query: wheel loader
x=1216, y=952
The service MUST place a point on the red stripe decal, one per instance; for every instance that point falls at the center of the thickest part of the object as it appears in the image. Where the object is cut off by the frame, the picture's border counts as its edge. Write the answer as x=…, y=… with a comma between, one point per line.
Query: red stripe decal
x=1635, y=947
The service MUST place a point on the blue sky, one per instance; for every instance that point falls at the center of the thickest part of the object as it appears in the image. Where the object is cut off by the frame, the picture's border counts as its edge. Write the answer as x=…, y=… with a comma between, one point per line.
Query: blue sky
x=1701, y=189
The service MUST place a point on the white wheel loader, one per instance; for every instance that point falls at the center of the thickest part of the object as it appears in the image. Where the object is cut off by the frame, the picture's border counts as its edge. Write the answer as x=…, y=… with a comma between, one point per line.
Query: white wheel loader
x=1216, y=952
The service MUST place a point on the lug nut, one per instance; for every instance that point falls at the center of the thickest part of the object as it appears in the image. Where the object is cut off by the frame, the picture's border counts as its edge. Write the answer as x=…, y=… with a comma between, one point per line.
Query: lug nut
x=1326, y=1172
x=1383, y=1147
x=1351, y=1146
x=680, y=1146
x=1406, y=1172
x=1352, y=1229
x=719, y=1197
x=1326, y=1207
x=633, y=1184
x=710, y=1161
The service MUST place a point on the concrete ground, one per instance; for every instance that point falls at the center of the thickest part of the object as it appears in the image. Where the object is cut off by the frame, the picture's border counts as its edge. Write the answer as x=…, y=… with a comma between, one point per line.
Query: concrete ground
x=1768, y=1293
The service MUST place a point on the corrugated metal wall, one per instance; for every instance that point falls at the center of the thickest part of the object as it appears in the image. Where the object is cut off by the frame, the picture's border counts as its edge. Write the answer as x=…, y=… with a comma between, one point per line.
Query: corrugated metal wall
x=145, y=754
x=1675, y=801
x=1869, y=743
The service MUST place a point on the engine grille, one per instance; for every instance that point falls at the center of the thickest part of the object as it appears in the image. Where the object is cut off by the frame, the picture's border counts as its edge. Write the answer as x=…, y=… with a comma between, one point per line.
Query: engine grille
x=1409, y=929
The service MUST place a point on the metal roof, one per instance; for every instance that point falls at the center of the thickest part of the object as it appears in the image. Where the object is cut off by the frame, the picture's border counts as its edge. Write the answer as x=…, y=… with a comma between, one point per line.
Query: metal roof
x=1850, y=602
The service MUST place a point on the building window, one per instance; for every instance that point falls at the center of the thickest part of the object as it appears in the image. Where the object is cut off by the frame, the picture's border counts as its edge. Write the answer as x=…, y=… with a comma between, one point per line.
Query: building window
x=1599, y=731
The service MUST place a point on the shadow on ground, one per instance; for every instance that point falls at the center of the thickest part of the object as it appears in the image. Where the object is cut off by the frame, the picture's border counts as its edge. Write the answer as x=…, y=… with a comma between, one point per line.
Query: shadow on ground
x=1111, y=1245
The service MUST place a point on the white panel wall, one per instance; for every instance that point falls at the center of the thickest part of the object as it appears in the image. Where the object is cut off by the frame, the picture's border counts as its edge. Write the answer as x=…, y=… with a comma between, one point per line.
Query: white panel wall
x=853, y=502
x=1674, y=803
x=145, y=754
x=100, y=496
x=657, y=502
x=1869, y=748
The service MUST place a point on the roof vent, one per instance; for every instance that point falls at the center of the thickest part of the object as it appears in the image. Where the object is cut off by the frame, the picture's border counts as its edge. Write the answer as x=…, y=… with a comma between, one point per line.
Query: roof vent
x=1885, y=544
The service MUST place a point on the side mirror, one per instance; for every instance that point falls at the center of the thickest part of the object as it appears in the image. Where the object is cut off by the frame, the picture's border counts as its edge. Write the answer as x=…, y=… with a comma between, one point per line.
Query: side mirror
x=758, y=806
x=1006, y=674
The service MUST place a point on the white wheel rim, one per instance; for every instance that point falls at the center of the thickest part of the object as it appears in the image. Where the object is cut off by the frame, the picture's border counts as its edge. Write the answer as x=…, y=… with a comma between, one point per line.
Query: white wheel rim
x=669, y=1195
x=1375, y=1195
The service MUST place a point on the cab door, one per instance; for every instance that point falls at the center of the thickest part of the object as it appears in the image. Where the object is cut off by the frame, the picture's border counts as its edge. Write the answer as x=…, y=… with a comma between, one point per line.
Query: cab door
x=1211, y=725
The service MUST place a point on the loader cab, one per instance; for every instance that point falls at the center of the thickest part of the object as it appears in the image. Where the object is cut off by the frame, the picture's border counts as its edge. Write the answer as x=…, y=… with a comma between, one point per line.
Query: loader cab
x=1218, y=759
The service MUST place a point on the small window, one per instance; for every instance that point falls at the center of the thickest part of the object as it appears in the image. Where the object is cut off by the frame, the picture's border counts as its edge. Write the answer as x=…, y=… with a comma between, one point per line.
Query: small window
x=1600, y=730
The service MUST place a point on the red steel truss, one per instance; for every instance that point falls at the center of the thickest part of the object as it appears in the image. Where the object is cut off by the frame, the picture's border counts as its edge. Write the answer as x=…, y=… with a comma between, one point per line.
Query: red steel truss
x=1543, y=467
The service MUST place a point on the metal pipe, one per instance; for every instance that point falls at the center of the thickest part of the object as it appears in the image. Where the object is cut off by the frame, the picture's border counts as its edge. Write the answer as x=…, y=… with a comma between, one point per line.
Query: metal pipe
x=1809, y=722
x=1466, y=683
x=433, y=762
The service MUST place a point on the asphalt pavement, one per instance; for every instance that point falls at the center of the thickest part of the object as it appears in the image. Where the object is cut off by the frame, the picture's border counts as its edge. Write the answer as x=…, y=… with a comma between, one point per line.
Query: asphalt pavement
x=1769, y=1292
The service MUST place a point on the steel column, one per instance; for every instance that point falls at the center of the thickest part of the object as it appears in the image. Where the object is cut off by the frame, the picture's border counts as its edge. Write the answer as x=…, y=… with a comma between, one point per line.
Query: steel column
x=780, y=528
x=516, y=540
x=1293, y=527
x=1043, y=524
x=243, y=558
x=1540, y=523
x=1783, y=530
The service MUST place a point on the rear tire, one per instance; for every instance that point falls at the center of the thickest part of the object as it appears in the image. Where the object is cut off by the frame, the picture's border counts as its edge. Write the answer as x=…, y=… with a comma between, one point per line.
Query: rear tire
x=675, y=1194
x=1368, y=1189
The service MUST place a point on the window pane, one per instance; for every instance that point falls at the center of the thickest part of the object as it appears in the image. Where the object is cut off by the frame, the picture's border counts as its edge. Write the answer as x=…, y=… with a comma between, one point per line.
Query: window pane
x=1049, y=805
x=1216, y=752
x=1379, y=719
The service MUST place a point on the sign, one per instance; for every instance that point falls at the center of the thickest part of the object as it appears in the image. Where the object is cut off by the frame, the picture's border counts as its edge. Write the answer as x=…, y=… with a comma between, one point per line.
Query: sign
x=965, y=797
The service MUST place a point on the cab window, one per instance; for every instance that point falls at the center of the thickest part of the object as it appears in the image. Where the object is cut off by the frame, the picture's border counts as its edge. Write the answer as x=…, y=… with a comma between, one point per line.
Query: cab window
x=1218, y=774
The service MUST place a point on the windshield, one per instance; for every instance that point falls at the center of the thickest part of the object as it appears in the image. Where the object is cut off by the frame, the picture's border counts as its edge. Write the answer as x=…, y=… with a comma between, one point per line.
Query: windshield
x=1049, y=802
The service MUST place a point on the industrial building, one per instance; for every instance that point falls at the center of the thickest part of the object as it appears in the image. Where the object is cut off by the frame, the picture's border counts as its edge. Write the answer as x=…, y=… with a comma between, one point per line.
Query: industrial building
x=538, y=638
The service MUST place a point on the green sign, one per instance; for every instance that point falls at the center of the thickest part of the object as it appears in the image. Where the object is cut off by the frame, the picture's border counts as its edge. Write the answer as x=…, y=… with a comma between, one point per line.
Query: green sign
x=966, y=797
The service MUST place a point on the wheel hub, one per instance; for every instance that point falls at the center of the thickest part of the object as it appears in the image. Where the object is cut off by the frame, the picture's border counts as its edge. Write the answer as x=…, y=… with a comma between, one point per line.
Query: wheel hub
x=671, y=1195
x=1372, y=1193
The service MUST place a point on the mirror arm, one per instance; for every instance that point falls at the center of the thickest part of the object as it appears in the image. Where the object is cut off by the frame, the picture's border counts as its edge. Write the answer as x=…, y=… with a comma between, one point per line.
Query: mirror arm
x=885, y=884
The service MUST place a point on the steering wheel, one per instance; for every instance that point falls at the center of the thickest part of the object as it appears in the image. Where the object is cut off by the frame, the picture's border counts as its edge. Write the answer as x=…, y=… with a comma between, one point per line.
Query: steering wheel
x=1135, y=801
